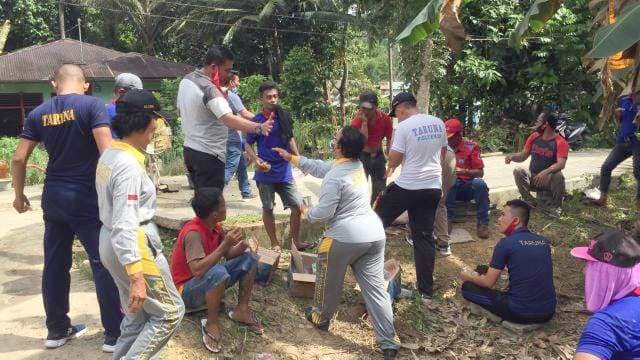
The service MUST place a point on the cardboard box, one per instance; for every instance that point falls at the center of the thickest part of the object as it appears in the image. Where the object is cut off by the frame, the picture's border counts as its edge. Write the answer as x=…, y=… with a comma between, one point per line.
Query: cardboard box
x=302, y=282
x=267, y=264
x=392, y=280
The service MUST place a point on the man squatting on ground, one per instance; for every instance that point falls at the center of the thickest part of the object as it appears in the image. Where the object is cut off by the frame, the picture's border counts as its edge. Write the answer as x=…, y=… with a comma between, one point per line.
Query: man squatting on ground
x=130, y=246
x=469, y=183
x=235, y=163
x=531, y=297
x=274, y=174
x=354, y=237
x=375, y=126
x=207, y=117
x=549, y=152
x=202, y=277
x=419, y=144
x=74, y=128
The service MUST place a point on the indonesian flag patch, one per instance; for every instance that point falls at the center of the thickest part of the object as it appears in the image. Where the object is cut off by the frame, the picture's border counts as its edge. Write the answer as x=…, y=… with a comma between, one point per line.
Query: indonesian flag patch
x=132, y=199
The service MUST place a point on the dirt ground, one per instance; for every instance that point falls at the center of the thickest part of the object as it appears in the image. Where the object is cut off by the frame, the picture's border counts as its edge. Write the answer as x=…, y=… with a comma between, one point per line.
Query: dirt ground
x=442, y=330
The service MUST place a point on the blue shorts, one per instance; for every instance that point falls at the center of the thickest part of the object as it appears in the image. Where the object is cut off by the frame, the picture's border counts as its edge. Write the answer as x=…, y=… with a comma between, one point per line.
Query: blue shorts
x=231, y=272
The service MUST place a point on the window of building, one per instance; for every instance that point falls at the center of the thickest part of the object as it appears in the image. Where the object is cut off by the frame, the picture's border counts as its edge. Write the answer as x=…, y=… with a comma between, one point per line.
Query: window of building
x=14, y=109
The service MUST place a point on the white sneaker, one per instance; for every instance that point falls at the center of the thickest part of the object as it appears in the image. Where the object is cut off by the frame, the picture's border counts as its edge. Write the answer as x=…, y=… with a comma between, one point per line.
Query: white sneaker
x=444, y=250
x=108, y=348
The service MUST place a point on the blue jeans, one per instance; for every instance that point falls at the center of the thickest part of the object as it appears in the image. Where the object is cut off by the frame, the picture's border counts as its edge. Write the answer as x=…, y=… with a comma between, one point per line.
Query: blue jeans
x=236, y=164
x=465, y=191
x=69, y=210
x=230, y=272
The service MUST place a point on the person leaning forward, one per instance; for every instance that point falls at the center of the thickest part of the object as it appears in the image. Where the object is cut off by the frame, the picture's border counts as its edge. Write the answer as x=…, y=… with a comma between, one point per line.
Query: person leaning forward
x=130, y=245
x=354, y=237
x=74, y=129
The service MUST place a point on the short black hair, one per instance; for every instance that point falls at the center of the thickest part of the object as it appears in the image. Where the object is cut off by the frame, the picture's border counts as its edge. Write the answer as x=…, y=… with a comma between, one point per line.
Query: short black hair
x=235, y=73
x=520, y=209
x=268, y=85
x=205, y=201
x=351, y=142
x=126, y=124
x=217, y=54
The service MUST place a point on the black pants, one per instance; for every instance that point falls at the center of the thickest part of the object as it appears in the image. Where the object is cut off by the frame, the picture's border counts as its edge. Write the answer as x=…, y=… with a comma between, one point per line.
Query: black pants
x=421, y=206
x=618, y=154
x=374, y=166
x=497, y=302
x=205, y=170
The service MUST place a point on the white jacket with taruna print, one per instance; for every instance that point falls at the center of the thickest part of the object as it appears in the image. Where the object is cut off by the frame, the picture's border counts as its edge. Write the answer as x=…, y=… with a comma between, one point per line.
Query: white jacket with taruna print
x=127, y=199
x=343, y=201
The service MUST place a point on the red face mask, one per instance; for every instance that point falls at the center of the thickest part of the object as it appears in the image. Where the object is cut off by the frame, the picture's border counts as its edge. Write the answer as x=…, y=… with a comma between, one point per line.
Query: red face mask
x=215, y=79
x=509, y=230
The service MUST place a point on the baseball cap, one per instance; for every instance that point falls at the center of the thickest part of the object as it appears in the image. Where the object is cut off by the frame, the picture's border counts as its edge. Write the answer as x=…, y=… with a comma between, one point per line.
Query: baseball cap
x=401, y=98
x=453, y=127
x=368, y=100
x=128, y=81
x=612, y=247
x=136, y=100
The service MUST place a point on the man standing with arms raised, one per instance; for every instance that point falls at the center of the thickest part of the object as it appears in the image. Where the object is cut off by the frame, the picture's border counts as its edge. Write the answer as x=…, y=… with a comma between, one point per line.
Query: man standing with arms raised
x=206, y=117
x=74, y=129
x=420, y=145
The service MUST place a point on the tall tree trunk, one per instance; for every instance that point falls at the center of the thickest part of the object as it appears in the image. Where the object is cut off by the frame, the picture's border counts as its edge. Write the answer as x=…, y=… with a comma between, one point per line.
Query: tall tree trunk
x=278, y=56
x=345, y=77
x=608, y=97
x=424, y=86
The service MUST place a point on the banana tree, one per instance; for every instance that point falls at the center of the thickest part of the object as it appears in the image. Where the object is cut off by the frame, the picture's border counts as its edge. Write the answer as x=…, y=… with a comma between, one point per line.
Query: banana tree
x=437, y=14
x=615, y=49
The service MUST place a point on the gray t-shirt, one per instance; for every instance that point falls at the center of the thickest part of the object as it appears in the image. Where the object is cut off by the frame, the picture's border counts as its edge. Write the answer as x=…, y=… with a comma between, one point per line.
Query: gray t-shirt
x=202, y=105
x=236, y=106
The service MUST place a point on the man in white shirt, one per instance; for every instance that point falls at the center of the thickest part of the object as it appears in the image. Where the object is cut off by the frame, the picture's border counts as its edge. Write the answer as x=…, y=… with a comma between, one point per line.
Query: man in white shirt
x=420, y=145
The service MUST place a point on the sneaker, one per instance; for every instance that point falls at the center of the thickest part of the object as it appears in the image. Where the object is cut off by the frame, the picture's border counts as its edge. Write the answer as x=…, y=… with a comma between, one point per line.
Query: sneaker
x=249, y=197
x=405, y=293
x=408, y=239
x=444, y=251
x=426, y=299
x=57, y=340
x=389, y=354
x=109, y=345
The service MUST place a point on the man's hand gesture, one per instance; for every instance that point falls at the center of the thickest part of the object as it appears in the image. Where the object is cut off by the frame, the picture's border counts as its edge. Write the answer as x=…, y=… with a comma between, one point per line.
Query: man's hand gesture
x=21, y=204
x=266, y=126
x=283, y=153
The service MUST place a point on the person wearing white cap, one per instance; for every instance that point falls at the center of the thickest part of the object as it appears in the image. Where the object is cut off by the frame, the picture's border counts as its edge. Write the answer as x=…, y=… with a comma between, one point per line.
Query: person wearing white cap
x=123, y=83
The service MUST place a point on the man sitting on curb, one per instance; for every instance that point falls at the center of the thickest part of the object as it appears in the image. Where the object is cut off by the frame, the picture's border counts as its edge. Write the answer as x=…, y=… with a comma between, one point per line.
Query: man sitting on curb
x=549, y=152
x=200, y=275
x=531, y=297
x=469, y=172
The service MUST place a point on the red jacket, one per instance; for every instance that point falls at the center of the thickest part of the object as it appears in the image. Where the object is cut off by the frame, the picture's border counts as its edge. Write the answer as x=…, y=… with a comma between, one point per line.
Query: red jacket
x=468, y=157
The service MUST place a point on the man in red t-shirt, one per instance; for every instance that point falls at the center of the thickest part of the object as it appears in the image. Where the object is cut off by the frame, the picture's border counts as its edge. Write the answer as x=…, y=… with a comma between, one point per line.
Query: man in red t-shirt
x=375, y=126
x=549, y=152
x=200, y=275
x=469, y=183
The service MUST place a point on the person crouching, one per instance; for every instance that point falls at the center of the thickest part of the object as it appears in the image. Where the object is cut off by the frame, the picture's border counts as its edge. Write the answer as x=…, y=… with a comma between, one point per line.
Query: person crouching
x=201, y=274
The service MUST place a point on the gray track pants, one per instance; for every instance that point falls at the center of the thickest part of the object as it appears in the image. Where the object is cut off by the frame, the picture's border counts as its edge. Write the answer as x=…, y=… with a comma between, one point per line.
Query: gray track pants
x=144, y=334
x=367, y=263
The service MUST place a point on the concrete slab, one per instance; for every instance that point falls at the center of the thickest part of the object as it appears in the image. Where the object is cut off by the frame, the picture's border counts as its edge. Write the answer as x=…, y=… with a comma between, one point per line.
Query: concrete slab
x=480, y=311
x=460, y=236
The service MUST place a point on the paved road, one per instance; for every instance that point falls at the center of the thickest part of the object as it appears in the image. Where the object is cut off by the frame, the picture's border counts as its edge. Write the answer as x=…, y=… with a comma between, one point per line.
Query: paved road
x=498, y=176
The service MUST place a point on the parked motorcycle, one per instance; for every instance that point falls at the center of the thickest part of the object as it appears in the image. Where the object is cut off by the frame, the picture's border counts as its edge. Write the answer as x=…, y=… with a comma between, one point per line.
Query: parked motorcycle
x=570, y=132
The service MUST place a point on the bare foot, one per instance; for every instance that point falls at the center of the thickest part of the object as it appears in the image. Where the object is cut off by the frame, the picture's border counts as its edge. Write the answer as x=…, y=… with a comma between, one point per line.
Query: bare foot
x=303, y=245
x=247, y=318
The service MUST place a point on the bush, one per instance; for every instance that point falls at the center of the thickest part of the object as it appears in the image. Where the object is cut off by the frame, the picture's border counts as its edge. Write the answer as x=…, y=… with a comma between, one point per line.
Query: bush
x=314, y=138
x=39, y=157
x=248, y=91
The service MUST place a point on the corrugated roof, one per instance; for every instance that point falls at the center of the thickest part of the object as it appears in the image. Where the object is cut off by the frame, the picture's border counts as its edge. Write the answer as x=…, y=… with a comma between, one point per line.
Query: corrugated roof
x=38, y=63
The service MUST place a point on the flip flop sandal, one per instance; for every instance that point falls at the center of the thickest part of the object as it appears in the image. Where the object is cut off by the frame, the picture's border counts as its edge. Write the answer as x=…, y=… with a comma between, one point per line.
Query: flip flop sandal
x=254, y=326
x=205, y=334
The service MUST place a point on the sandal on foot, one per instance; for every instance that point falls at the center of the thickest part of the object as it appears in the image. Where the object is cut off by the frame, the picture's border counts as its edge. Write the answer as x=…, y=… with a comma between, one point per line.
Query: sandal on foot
x=254, y=325
x=205, y=334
